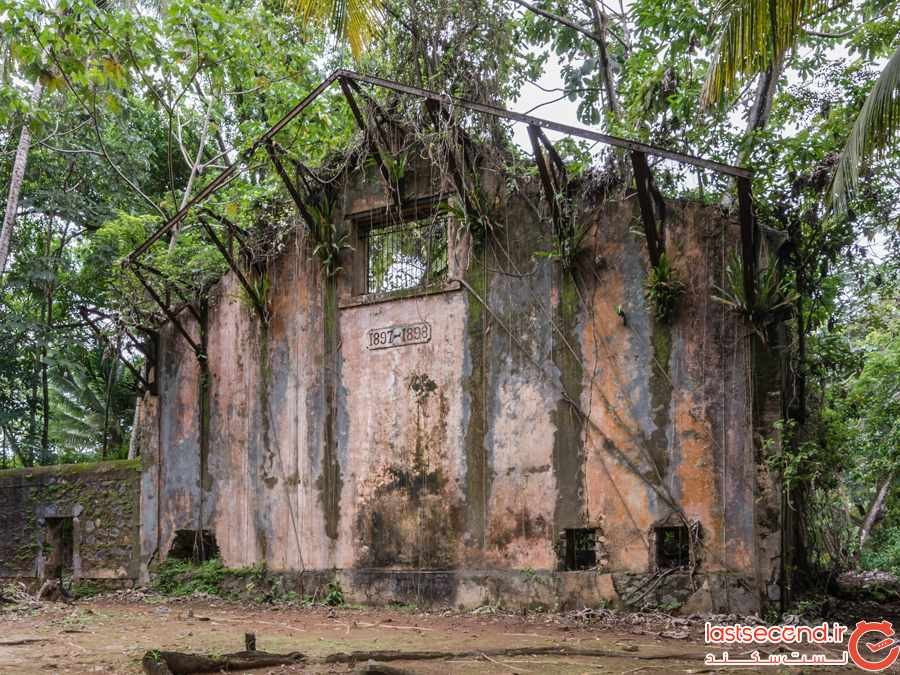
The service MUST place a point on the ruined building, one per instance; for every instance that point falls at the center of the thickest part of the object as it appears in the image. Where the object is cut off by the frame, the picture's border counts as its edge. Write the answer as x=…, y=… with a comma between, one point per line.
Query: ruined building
x=76, y=520
x=459, y=384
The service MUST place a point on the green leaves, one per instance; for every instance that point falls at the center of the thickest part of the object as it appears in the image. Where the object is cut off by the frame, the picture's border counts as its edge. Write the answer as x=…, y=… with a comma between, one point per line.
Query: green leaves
x=774, y=297
x=663, y=289
x=357, y=21
x=756, y=35
x=876, y=126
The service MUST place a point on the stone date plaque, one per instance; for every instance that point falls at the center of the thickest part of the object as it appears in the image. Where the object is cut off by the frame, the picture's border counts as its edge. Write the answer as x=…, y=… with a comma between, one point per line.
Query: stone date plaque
x=398, y=336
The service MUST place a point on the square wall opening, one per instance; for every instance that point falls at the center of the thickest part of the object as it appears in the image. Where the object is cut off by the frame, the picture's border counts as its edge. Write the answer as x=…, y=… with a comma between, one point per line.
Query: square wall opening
x=59, y=546
x=580, y=549
x=673, y=547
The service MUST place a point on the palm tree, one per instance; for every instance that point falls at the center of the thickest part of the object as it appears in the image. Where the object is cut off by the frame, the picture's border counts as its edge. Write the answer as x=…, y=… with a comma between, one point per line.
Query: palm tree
x=357, y=21
x=756, y=36
x=17, y=177
x=90, y=402
x=877, y=124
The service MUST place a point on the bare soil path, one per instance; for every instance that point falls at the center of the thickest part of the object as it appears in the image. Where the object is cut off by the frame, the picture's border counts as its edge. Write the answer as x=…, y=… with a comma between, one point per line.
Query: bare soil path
x=111, y=636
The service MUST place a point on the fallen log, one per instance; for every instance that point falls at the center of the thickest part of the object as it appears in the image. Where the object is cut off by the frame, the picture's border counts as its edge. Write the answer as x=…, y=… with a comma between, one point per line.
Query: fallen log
x=385, y=655
x=16, y=642
x=158, y=662
x=376, y=668
x=178, y=663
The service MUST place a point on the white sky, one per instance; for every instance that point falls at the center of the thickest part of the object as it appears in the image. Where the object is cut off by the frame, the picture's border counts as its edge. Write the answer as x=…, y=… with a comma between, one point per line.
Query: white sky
x=563, y=111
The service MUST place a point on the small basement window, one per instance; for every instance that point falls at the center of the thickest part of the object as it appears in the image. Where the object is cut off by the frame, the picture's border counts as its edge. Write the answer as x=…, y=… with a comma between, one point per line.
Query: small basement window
x=195, y=545
x=580, y=549
x=406, y=255
x=673, y=547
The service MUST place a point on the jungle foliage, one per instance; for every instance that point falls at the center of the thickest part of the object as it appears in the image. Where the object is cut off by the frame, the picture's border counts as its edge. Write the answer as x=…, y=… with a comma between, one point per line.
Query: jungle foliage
x=131, y=108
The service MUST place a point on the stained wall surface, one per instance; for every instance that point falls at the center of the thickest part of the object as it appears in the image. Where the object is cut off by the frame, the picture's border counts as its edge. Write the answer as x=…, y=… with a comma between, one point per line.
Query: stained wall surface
x=547, y=397
x=100, y=503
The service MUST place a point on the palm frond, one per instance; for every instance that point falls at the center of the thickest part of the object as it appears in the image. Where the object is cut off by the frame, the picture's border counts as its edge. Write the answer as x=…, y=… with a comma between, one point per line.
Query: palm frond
x=81, y=417
x=755, y=35
x=876, y=125
x=357, y=21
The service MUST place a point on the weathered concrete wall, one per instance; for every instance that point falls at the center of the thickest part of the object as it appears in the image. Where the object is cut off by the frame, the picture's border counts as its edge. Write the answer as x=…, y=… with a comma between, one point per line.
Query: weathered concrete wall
x=545, y=399
x=102, y=499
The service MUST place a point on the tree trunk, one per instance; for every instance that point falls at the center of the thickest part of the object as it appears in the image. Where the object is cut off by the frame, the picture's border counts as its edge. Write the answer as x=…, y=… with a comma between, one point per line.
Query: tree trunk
x=874, y=511
x=45, y=397
x=601, y=29
x=133, y=441
x=110, y=380
x=196, y=169
x=17, y=177
x=32, y=412
x=762, y=106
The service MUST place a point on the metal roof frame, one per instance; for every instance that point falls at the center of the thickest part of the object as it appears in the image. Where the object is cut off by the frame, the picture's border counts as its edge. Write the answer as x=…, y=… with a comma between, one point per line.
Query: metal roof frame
x=742, y=175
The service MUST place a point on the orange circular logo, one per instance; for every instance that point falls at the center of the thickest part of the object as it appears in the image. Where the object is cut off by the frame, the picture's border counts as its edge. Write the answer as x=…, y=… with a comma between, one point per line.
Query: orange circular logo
x=884, y=628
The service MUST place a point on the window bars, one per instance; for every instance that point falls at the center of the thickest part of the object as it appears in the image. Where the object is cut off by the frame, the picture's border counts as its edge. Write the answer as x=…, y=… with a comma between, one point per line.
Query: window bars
x=406, y=255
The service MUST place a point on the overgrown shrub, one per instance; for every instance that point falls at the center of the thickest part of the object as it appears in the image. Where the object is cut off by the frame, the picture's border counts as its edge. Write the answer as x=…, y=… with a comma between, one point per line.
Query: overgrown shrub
x=774, y=297
x=181, y=577
x=663, y=289
x=883, y=552
x=334, y=594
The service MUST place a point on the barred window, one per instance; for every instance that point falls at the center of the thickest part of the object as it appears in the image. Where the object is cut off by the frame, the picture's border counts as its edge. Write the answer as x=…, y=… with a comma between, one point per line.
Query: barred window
x=406, y=255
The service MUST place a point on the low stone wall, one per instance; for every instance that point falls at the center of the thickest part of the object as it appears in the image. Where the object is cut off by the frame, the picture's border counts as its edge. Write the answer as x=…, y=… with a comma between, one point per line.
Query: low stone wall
x=80, y=518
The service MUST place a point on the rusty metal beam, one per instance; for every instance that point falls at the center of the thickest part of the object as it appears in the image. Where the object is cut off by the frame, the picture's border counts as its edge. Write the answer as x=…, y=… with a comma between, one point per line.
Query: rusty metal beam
x=225, y=221
x=373, y=145
x=550, y=191
x=748, y=238
x=170, y=315
x=643, y=180
x=346, y=75
x=100, y=334
x=235, y=231
x=248, y=287
x=291, y=188
x=374, y=104
x=496, y=111
x=138, y=344
x=554, y=155
x=456, y=171
x=185, y=302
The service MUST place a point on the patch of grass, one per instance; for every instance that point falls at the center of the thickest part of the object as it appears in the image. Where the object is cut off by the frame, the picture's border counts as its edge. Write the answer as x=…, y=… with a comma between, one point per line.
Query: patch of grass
x=403, y=606
x=85, y=589
x=180, y=578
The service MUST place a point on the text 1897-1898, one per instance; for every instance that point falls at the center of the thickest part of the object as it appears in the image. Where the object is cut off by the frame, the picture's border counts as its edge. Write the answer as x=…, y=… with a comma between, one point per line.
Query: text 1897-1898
x=398, y=336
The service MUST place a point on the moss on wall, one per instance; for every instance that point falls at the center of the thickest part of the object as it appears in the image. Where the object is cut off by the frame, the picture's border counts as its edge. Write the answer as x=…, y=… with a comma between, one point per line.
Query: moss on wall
x=329, y=483
x=477, y=469
x=568, y=446
x=104, y=498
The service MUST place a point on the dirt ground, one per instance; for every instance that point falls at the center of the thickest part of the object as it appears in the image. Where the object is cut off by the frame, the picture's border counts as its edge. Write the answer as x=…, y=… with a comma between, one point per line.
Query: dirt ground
x=110, y=635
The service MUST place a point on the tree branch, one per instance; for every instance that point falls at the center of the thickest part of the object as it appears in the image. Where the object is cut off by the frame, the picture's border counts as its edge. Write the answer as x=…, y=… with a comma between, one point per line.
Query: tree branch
x=556, y=17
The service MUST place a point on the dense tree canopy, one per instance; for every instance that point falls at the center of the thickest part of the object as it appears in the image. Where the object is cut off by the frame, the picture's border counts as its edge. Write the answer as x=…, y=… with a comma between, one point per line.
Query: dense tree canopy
x=128, y=109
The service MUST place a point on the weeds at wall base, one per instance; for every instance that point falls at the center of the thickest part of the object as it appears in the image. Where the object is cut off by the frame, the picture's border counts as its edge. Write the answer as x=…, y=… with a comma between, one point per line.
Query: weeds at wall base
x=255, y=584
